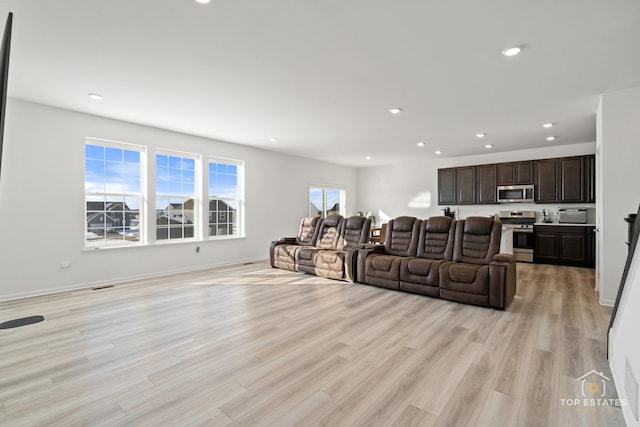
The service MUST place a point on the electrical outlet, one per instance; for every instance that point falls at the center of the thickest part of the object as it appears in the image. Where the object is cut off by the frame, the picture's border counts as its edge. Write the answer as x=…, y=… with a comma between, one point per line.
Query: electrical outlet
x=65, y=264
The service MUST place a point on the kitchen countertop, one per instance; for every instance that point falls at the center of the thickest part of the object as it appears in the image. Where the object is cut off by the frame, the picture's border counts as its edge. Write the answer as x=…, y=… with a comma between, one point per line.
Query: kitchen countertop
x=564, y=224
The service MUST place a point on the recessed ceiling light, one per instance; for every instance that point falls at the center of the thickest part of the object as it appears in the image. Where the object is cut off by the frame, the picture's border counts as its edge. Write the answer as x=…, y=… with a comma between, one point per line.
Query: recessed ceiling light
x=512, y=51
x=481, y=135
x=395, y=110
x=368, y=158
x=95, y=96
x=273, y=139
x=420, y=144
x=548, y=125
x=488, y=146
x=438, y=152
x=551, y=138
x=203, y=1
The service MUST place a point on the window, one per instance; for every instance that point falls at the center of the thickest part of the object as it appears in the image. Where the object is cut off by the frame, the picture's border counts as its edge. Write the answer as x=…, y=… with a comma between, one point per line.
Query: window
x=176, y=196
x=326, y=201
x=225, y=197
x=113, y=193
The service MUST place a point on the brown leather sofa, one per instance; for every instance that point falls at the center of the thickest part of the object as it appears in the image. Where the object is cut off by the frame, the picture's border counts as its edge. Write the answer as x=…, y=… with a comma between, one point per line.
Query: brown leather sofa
x=282, y=253
x=478, y=274
x=330, y=252
x=420, y=274
x=380, y=266
x=441, y=257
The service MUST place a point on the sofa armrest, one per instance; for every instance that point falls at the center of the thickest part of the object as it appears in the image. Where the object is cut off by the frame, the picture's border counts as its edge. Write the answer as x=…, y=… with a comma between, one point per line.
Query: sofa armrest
x=502, y=281
x=282, y=241
x=362, y=260
x=287, y=241
x=504, y=257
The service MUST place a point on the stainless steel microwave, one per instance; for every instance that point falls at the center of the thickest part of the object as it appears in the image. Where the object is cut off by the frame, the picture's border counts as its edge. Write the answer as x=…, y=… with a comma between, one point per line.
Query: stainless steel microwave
x=515, y=194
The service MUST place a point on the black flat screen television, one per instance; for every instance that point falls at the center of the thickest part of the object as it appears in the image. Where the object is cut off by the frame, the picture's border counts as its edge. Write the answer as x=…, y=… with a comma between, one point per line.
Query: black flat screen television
x=4, y=78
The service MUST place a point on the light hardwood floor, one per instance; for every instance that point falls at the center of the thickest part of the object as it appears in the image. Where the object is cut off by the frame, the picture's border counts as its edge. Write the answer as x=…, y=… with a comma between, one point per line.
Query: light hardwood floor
x=250, y=345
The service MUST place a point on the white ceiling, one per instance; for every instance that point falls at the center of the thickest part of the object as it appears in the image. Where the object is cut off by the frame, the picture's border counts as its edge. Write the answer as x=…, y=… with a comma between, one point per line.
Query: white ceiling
x=320, y=75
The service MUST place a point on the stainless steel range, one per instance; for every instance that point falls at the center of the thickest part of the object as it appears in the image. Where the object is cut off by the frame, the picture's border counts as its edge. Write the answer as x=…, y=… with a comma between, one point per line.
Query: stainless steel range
x=523, y=239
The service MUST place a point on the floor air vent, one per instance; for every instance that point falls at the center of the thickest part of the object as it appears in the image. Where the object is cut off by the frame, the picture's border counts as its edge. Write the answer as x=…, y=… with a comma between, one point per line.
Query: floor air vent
x=99, y=288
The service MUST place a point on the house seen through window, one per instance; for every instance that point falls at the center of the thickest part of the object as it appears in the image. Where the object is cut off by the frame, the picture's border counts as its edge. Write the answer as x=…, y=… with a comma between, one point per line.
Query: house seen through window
x=113, y=194
x=225, y=197
x=176, y=197
x=326, y=201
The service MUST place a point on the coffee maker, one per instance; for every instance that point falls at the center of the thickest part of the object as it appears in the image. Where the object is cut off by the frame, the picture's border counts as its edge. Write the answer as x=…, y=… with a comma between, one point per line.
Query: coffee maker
x=448, y=212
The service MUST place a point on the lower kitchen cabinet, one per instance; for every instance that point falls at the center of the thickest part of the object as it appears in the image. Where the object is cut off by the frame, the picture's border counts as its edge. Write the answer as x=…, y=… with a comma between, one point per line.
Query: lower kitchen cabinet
x=564, y=245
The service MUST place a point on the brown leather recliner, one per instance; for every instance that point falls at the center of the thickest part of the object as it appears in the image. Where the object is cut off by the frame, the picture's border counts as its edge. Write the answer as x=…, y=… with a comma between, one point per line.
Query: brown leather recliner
x=334, y=253
x=420, y=274
x=380, y=266
x=478, y=274
x=282, y=253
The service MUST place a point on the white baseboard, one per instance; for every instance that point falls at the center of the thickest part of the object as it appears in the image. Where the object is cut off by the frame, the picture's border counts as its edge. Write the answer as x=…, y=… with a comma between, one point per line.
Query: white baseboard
x=81, y=286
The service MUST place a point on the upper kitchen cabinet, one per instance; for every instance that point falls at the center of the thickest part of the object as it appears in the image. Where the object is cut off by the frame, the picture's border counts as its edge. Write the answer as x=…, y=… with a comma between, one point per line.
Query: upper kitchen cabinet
x=546, y=180
x=561, y=180
x=515, y=173
x=486, y=184
x=447, y=186
x=572, y=180
x=466, y=185
x=590, y=185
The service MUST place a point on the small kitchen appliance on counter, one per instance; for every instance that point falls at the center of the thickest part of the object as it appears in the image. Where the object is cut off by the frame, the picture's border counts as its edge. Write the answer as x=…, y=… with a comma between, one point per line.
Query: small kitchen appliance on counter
x=572, y=215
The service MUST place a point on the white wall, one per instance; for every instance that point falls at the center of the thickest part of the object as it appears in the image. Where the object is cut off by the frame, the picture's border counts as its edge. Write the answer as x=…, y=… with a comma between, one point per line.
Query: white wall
x=42, y=202
x=624, y=344
x=619, y=150
x=412, y=188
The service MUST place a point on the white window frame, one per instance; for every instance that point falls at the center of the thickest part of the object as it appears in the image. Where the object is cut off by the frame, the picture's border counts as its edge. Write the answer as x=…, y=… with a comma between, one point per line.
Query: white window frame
x=196, y=196
x=141, y=195
x=324, y=208
x=238, y=200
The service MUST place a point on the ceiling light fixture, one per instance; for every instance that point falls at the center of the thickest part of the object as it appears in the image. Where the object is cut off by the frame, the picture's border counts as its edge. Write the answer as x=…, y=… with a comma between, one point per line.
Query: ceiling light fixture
x=203, y=1
x=551, y=138
x=481, y=135
x=512, y=51
x=273, y=139
x=548, y=125
x=420, y=144
x=368, y=158
x=488, y=146
x=395, y=110
x=438, y=152
x=95, y=96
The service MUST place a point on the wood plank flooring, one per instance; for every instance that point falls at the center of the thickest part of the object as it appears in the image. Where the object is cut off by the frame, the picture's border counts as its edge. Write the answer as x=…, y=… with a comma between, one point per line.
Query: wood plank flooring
x=250, y=345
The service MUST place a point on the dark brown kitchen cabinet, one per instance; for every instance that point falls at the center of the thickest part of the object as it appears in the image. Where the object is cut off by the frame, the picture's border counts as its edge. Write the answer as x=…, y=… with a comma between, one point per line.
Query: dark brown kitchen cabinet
x=515, y=173
x=561, y=180
x=572, y=180
x=486, y=184
x=564, y=245
x=546, y=180
x=466, y=185
x=590, y=177
x=447, y=186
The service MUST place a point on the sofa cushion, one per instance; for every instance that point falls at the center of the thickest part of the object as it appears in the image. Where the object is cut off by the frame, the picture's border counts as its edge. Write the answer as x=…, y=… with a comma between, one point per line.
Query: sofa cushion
x=308, y=230
x=436, y=238
x=463, y=273
x=477, y=240
x=330, y=232
x=382, y=262
x=402, y=236
x=464, y=278
x=419, y=267
x=355, y=232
